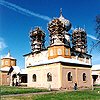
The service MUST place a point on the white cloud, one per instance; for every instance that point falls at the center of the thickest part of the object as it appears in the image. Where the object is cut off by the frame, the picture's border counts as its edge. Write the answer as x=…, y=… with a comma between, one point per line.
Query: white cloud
x=2, y=44
x=92, y=37
x=23, y=10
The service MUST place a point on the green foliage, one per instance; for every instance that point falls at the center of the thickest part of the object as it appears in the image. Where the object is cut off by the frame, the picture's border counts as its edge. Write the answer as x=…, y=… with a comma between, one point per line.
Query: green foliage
x=98, y=26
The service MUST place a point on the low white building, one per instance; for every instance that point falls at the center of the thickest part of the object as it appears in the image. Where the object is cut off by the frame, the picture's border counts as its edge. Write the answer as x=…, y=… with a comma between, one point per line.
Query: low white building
x=96, y=74
x=10, y=74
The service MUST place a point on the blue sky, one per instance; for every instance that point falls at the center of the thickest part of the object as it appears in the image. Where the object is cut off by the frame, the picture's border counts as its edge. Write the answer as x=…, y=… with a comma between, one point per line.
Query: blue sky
x=17, y=17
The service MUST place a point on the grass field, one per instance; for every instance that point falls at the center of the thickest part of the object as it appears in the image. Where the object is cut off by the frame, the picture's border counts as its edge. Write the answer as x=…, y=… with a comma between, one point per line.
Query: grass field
x=68, y=95
x=5, y=90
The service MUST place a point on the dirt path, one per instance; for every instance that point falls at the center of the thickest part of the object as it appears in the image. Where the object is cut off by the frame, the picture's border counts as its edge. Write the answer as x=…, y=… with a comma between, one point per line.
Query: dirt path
x=27, y=94
x=37, y=93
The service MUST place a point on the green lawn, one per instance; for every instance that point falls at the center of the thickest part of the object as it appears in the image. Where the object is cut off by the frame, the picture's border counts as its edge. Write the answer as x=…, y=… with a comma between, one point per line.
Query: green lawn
x=5, y=90
x=68, y=95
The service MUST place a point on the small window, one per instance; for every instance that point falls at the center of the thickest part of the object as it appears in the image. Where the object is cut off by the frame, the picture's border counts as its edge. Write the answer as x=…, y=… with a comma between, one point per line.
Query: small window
x=69, y=76
x=59, y=52
x=51, y=52
x=6, y=62
x=87, y=60
x=12, y=63
x=66, y=51
x=2, y=62
x=84, y=77
x=49, y=77
x=34, y=77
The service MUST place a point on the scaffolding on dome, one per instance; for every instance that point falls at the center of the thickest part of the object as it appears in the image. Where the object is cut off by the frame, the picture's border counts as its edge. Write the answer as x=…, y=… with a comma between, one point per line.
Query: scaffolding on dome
x=37, y=37
x=79, y=40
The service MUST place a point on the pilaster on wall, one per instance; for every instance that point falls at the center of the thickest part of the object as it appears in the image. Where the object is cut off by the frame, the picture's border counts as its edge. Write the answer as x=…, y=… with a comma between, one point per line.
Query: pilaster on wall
x=76, y=77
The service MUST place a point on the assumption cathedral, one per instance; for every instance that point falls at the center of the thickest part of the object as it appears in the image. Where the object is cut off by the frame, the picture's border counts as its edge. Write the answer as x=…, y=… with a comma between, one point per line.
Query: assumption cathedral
x=64, y=62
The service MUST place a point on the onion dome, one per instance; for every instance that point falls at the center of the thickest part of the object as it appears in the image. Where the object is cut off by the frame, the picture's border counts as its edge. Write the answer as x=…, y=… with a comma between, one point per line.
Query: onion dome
x=37, y=37
x=55, y=26
x=65, y=21
x=59, y=25
x=79, y=30
x=79, y=40
x=37, y=31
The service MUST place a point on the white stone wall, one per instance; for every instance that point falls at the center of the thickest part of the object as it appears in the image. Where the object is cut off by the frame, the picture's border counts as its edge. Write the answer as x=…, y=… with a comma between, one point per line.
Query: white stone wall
x=35, y=58
x=96, y=72
x=41, y=76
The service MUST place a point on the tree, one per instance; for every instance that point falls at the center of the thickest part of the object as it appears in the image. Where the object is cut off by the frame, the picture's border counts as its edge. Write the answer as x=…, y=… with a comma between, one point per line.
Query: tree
x=98, y=27
x=97, y=31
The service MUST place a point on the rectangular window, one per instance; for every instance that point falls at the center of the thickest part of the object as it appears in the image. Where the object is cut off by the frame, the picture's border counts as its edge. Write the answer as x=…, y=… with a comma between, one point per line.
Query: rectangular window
x=2, y=63
x=51, y=52
x=6, y=62
x=66, y=51
x=59, y=52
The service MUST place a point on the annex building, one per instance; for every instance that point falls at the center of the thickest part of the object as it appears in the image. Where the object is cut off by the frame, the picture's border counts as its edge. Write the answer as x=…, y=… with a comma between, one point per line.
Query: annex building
x=10, y=73
x=64, y=62
x=6, y=62
x=96, y=74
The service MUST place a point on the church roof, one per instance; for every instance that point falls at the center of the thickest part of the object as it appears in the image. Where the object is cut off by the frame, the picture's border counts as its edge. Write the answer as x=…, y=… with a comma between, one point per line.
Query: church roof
x=61, y=23
x=6, y=69
x=16, y=70
x=65, y=22
x=96, y=67
x=60, y=59
x=23, y=71
x=8, y=56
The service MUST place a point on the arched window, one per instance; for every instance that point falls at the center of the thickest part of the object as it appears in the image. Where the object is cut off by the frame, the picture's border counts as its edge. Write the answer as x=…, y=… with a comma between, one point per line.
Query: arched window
x=87, y=59
x=49, y=77
x=81, y=57
x=34, y=77
x=69, y=76
x=84, y=77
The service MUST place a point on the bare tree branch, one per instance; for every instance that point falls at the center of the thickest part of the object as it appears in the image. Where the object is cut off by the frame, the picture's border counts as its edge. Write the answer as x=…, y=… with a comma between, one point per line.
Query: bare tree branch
x=97, y=31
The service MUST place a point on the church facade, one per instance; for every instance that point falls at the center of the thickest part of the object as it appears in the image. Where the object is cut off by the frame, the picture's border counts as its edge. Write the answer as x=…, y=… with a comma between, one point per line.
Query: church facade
x=64, y=62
